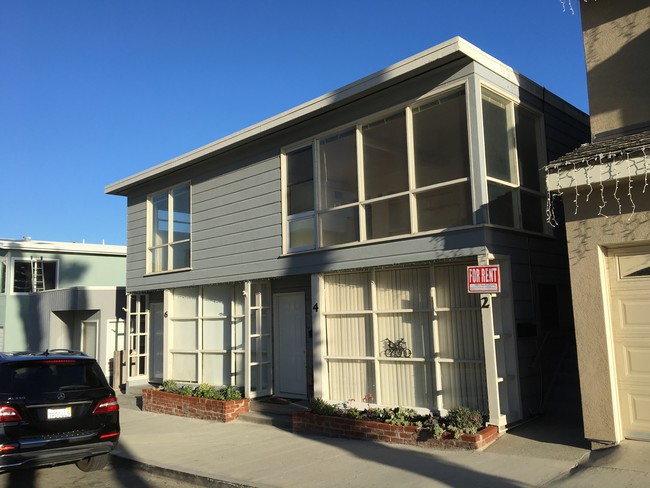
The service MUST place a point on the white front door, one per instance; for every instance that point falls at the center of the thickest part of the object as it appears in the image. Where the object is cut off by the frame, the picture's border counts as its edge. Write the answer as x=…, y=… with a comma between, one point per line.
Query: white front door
x=629, y=281
x=290, y=354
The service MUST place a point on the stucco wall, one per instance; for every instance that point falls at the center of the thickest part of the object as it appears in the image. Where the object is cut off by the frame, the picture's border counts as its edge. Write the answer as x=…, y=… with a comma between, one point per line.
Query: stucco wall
x=588, y=236
x=617, y=39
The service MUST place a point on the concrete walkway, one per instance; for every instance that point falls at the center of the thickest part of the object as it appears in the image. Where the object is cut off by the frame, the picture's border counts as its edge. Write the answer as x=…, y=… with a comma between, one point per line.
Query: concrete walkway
x=245, y=454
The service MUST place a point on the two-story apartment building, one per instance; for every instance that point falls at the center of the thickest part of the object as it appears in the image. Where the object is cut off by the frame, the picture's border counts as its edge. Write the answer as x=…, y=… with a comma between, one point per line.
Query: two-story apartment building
x=62, y=295
x=286, y=257
x=604, y=187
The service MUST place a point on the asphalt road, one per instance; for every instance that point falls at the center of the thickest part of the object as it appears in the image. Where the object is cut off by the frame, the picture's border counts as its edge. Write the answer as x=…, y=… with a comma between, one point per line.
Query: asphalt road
x=115, y=476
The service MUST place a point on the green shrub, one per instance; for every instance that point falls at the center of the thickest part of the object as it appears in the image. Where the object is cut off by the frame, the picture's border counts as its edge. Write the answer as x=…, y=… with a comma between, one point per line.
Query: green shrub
x=202, y=391
x=321, y=407
x=169, y=386
x=463, y=420
x=230, y=392
x=205, y=391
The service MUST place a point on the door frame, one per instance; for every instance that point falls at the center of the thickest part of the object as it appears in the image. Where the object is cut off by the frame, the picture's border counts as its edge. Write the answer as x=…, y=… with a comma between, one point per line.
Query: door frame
x=277, y=346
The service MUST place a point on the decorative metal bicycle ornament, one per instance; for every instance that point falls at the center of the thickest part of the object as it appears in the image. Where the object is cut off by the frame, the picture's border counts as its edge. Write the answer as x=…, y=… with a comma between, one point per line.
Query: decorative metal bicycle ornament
x=396, y=349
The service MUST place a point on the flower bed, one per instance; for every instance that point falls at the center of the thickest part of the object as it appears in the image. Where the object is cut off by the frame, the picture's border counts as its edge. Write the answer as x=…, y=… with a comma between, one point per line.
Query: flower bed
x=189, y=406
x=331, y=426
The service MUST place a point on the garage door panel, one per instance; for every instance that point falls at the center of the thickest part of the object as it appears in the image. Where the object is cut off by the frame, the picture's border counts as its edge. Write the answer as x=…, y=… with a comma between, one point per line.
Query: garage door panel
x=634, y=314
x=636, y=414
x=634, y=361
x=630, y=307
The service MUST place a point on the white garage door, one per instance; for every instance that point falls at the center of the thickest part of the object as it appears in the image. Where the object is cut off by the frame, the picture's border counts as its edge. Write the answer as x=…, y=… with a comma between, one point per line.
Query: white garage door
x=629, y=281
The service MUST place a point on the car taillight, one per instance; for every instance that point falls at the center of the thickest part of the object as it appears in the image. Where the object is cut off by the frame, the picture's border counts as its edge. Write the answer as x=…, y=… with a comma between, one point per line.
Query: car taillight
x=9, y=414
x=107, y=405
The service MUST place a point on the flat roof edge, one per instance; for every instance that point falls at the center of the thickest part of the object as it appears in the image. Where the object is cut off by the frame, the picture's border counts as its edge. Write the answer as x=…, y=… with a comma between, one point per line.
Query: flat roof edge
x=456, y=45
x=63, y=247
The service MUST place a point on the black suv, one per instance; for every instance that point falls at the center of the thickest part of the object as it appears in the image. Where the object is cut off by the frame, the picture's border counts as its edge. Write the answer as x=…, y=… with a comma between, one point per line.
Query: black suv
x=56, y=407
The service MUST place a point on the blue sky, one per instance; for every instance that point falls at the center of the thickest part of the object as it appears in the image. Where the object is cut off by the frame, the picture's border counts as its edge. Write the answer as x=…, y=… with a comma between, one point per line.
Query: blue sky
x=92, y=91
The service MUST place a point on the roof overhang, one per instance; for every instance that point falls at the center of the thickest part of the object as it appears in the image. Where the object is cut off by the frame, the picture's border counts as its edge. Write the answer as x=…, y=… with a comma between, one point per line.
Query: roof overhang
x=61, y=247
x=455, y=49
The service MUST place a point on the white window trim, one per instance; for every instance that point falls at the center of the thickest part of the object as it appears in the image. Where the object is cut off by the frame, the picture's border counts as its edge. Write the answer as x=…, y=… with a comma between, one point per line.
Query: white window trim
x=512, y=100
x=11, y=273
x=170, y=230
x=412, y=191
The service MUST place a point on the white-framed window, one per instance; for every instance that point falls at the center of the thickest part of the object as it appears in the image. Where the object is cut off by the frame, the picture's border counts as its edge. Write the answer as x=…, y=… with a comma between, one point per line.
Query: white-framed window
x=404, y=172
x=435, y=328
x=206, y=334
x=138, y=317
x=169, y=230
x=3, y=275
x=514, y=155
x=34, y=274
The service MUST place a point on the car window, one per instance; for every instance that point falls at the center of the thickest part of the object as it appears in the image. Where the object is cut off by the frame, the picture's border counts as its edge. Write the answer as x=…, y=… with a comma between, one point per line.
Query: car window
x=50, y=375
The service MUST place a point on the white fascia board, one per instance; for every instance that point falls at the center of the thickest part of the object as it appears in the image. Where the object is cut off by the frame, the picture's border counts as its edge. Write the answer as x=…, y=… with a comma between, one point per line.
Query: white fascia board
x=456, y=46
x=62, y=247
x=568, y=176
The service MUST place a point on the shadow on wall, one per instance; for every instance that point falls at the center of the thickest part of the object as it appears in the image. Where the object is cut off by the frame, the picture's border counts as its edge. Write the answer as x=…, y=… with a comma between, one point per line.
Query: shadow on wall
x=35, y=320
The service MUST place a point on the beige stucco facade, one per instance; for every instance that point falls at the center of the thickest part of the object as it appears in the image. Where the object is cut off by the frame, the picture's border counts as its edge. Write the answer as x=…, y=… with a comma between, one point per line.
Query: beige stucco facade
x=591, y=239
x=617, y=41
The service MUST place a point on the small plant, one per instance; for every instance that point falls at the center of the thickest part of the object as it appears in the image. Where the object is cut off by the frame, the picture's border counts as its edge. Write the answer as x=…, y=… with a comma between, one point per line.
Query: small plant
x=230, y=392
x=463, y=420
x=403, y=416
x=321, y=407
x=203, y=390
x=368, y=398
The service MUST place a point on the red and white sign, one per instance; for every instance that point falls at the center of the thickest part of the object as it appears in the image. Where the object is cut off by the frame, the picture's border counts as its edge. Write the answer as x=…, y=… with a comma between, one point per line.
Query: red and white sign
x=483, y=279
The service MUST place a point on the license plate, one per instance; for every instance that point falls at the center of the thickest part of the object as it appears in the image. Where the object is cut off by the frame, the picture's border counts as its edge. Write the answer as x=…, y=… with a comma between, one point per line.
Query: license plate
x=59, y=413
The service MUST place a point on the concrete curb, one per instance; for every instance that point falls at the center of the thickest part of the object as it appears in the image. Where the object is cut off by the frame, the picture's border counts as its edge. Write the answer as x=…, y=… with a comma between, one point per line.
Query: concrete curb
x=125, y=462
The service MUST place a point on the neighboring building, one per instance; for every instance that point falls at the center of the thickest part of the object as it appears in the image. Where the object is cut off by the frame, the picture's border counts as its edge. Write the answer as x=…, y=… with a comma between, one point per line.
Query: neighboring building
x=62, y=295
x=604, y=187
x=283, y=257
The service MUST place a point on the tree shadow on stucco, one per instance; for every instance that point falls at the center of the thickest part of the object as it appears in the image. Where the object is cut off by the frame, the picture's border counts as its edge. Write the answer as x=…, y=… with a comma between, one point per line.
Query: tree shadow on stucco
x=35, y=313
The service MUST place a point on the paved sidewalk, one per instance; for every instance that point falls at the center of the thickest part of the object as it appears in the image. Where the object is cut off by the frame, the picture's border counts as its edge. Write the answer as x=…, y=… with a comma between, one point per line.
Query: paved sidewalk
x=244, y=454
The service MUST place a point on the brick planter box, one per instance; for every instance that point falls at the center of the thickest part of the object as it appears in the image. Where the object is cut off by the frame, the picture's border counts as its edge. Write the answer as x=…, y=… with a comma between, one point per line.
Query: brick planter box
x=186, y=406
x=309, y=423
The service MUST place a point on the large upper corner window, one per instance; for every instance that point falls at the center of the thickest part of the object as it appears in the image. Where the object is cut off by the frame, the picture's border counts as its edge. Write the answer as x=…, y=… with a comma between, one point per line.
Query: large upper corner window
x=169, y=231
x=300, y=198
x=394, y=174
x=32, y=275
x=513, y=157
x=3, y=274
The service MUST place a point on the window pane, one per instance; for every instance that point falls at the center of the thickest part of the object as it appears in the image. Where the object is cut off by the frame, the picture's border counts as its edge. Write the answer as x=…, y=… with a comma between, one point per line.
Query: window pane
x=159, y=259
x=301, y=233
x=338, y=170
x=412, y=327
x=347, y=292
x=498, y=142
x=532, y=211
x=22, y=276
x=349, y=335
x=339, y=226
x=351, y=380
x=185, y=302
x=160, y=212
x=49, y=274
x=501, y=205
x=184, y=367
x=440, y=138
x=400, y=289
x=300, y=181
x=635, y=265
x=181, y=255
x=216, y=300
x=528, y=147
x=181, y=224
x=385, y=157
x=404, y=384
x=216, y=334
x=216, y=369
x=445, y=207
x=388, y=218
x=185, y=334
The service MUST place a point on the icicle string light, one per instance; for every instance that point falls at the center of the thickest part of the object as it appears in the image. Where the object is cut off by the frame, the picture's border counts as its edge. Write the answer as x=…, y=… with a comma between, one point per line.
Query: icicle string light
x=602, y=188
x=575, y=182
x=587, y=171
x=629, y=184
x=645, y=166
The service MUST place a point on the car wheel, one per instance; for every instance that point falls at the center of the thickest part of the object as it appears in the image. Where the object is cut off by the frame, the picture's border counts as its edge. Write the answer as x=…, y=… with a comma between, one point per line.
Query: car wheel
x=94, y=463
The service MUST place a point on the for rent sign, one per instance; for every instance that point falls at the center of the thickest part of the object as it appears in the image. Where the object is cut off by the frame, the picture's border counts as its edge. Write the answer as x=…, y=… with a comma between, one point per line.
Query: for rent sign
x=483, y=279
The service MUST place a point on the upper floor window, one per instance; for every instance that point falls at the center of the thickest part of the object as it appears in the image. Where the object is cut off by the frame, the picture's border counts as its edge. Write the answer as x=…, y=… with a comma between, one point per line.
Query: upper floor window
x=514, y=156
x=31, y=275
x=169, y=230
x=3, y=274
x=364, y=183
